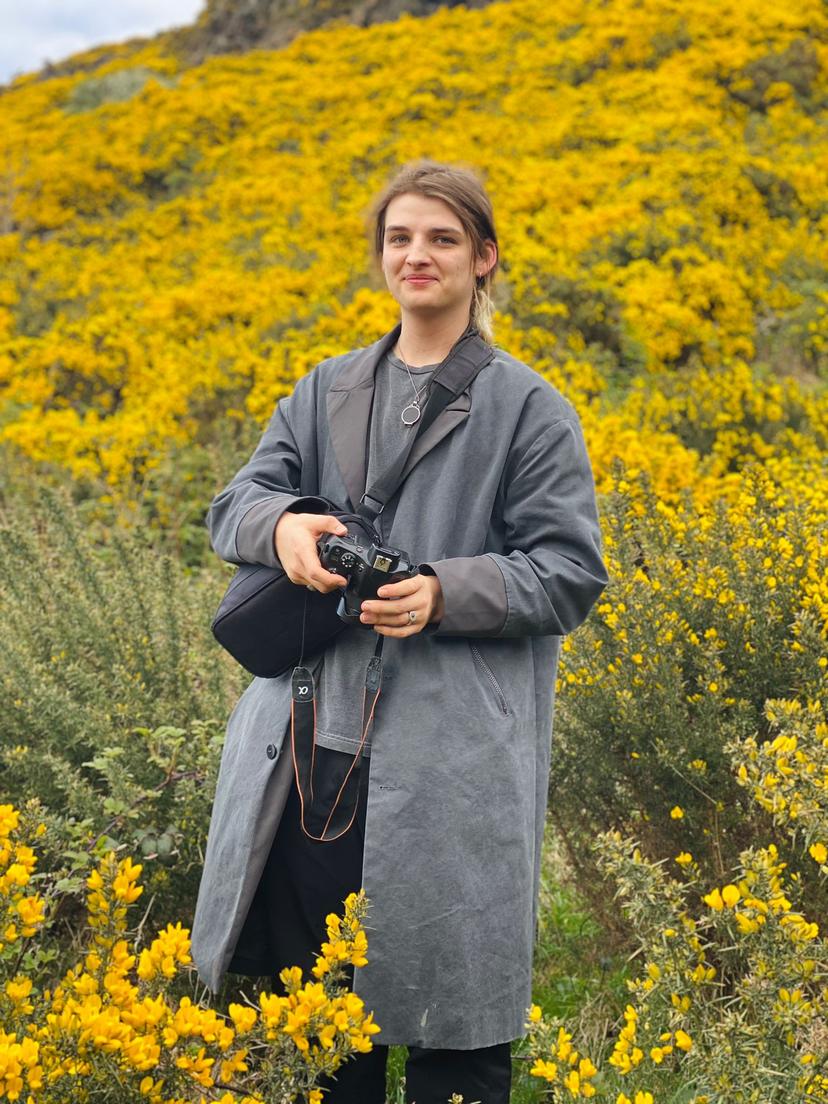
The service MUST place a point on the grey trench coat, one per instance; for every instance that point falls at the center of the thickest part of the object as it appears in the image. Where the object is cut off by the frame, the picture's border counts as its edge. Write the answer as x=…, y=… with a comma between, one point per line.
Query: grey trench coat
x=500, y=503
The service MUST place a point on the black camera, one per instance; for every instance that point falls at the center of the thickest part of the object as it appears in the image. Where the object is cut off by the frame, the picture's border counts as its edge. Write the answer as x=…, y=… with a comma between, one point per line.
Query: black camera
x=367, y=564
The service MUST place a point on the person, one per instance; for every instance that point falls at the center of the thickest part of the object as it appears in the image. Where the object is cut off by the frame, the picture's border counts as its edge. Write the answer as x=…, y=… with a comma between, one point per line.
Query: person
x=498, y=510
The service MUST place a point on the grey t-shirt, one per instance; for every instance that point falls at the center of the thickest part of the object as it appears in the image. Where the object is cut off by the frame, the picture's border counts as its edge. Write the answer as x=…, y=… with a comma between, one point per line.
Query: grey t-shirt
x=340, y=671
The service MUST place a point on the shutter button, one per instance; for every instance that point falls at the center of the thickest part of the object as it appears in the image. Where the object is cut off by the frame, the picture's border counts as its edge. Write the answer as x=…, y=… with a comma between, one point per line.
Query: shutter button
x=271, y=751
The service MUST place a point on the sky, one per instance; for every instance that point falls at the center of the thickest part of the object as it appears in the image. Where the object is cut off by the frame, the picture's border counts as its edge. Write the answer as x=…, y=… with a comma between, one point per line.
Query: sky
x=35, y=31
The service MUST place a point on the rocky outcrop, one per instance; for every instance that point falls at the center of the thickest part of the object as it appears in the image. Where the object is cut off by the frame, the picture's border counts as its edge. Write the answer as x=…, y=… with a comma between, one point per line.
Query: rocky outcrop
x=234, y=26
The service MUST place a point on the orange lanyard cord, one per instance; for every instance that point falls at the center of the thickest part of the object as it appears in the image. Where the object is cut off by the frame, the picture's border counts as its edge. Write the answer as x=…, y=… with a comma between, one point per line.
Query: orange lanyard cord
x=365, y=726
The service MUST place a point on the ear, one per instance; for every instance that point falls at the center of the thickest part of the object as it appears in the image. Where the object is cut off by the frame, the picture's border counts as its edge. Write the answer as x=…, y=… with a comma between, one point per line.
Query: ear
x=485, y=265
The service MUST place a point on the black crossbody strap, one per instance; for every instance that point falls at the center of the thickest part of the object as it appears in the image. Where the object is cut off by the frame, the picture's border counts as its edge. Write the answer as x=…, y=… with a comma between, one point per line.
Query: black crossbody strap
x=337, y=820
x=466, y=358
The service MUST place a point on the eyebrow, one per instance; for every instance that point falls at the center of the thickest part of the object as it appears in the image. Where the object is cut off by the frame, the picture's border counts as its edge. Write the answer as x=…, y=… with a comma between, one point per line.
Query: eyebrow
x=432, y=229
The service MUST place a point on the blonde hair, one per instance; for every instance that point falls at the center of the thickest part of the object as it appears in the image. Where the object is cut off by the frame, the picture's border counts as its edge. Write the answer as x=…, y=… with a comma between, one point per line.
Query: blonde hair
x=463, y=192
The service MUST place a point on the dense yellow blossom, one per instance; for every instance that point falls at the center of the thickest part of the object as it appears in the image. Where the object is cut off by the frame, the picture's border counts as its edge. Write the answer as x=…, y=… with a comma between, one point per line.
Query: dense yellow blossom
x=766, y=997
x=111, y=1014
x=188, y=253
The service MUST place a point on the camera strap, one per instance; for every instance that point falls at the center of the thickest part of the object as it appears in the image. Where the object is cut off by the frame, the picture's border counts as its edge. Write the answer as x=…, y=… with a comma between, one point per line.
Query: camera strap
x=354, y=785
x=467, y=357
x=469, y=354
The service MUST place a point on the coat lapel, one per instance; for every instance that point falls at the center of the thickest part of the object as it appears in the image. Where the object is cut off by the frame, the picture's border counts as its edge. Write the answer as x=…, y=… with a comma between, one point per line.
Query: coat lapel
x=349, y=408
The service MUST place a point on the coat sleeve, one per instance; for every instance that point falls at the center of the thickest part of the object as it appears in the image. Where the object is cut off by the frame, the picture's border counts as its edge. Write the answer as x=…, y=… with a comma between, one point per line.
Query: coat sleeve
x=241, y=519
x=554, y=571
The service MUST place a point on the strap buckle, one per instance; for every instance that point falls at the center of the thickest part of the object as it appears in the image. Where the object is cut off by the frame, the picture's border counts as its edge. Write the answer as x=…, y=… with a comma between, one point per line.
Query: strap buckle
x=366, y=500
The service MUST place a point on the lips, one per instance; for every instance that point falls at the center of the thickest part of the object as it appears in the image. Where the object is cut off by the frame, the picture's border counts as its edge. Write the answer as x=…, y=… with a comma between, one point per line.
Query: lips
x=419, y=279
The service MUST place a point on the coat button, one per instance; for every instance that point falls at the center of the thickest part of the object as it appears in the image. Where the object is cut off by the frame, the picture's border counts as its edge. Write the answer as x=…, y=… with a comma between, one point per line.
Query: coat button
x=272, y=751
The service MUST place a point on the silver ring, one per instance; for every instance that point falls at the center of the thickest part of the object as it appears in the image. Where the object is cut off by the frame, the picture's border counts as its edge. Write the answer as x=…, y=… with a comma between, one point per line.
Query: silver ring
x=412, y=616
x=309, y=587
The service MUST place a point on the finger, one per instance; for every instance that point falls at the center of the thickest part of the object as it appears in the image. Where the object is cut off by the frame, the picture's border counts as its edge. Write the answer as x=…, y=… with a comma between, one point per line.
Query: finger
x=316, y=573
x=329, y=579
x=390, y=630
x=385, y=612
x=386, y=609
x=401, y=588
x=327, y=523
x=394, y=619
x=320, y=579
x=411, y=599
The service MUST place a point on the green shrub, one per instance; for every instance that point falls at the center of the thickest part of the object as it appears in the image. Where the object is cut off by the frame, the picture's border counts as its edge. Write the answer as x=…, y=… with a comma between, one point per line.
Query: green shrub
x=114, y=692
x=708, y=614
x=729, y=1005
x=116, y=1027
x=112, y=88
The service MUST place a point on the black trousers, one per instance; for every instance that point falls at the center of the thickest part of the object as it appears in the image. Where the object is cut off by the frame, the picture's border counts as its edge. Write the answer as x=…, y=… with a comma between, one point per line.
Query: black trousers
x=302, y=882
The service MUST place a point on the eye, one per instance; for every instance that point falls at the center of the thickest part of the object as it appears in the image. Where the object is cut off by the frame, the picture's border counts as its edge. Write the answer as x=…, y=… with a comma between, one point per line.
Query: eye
x=445, y=238
x=394, y=238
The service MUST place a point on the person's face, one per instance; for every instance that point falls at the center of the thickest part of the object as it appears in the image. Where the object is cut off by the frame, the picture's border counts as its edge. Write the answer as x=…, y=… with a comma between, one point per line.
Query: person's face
x=427, y=256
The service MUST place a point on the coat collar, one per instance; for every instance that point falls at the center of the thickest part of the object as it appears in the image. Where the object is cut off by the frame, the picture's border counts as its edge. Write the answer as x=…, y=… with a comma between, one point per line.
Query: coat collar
x=349, y=408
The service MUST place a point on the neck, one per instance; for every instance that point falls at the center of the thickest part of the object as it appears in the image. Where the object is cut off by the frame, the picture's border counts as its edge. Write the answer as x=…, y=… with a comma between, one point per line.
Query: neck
x=424, y=341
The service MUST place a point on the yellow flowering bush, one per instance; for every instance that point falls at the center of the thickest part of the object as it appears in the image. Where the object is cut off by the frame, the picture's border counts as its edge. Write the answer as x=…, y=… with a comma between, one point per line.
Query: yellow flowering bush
x=730, y=1000
x=21, y=911
x=731, y=997
x=110, y=1028
x=556, y=1061
x=733, y=986
x=788, y=774
x=178, y=245
x=710, y=611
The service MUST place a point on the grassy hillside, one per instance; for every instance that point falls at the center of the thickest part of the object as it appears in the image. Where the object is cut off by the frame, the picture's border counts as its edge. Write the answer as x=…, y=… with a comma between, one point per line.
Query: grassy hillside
x=179, y=245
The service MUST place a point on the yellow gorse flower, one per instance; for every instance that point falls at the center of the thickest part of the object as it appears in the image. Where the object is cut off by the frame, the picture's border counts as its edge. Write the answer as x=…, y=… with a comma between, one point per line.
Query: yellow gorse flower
x=110, y=1014
x=21, y=913
x=107, y=387
x=556, y=1060
x=169, y=950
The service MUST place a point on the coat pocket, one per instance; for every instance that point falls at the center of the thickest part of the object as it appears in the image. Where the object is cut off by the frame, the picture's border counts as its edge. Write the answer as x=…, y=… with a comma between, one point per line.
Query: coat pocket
x=489, y=674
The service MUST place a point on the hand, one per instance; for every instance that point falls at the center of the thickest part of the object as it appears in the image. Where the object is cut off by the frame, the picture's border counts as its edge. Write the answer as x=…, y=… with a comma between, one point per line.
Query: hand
x=389, y=612
x=295, y=538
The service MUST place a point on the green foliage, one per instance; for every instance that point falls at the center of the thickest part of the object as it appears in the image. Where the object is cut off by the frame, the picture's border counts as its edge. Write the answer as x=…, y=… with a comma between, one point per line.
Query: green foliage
x=171, y=498
x=706, y=617
x=730, y=988
x=797, y=65
x=114, y=692
x=577, y=972
x=576, y=314
x=115, y=87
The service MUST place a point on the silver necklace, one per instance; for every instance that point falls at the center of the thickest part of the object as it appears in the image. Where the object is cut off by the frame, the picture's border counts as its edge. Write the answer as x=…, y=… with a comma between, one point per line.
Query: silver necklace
x=411, y=413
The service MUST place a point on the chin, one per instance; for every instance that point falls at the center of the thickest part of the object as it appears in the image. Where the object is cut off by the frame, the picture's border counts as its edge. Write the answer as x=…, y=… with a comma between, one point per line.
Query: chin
x=426, y=309
x=432, y=297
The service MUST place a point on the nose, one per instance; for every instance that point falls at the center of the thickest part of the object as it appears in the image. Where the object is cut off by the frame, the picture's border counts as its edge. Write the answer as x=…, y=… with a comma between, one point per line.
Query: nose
x=417, y=253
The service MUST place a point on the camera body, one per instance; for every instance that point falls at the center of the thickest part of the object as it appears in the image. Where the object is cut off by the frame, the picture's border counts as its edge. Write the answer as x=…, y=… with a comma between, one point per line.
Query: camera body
x=367, y=564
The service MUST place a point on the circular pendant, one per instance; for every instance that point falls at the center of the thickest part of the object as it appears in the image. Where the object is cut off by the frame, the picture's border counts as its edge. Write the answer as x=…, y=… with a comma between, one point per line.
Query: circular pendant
x=410, y=418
